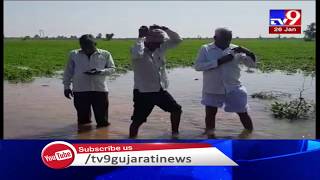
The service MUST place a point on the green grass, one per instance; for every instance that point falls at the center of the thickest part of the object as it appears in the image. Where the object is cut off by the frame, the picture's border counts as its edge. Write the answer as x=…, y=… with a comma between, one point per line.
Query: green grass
x=24, y=59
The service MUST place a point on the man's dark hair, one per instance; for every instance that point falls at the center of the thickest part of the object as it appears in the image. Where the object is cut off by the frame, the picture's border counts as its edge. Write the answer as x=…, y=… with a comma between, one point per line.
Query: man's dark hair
x=86, y=38
x=224, y=32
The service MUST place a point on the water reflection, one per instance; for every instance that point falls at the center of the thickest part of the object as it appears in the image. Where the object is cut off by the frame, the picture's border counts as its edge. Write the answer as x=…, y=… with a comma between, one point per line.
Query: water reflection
x=39, y=109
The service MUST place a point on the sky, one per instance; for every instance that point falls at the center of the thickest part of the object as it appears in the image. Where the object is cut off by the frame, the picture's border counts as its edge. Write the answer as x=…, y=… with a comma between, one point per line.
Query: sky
x=246, y=19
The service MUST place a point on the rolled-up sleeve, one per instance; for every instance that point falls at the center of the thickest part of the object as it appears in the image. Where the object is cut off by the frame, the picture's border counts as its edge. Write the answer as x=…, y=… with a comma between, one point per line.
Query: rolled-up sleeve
x=173, y=41
x=138, y=49
x=68, y=72
x=246, y=60
x=202, y=63
x=109, y=67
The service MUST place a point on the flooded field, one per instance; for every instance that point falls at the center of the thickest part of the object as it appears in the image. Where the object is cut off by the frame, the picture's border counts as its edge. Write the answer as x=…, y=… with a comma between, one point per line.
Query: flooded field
x=39, y=109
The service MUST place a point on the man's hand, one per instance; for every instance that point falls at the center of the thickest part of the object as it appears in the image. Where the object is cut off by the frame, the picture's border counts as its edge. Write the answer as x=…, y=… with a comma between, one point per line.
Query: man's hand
x=143, y=31
x=240, y=49
x=93, y=72
x=225, y=59
x=68, y=93
x=164, y=28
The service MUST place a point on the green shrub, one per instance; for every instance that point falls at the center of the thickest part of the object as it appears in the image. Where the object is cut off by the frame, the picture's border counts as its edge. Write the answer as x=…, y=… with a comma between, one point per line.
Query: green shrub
x=294, y=109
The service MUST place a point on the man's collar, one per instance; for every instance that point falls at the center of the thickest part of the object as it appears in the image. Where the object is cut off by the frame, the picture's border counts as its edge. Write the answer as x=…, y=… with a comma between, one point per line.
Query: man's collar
x=213, y=46
x=97, y=51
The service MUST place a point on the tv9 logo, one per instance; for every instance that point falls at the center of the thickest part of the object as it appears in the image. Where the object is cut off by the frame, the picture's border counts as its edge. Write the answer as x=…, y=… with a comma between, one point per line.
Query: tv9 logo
x=285, y=21
x=58, y=155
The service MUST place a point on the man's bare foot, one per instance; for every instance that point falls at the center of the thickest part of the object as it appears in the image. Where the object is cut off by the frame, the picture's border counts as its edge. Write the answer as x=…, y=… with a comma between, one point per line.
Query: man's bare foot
x=175, y=135
x=84, y=127
x=101, y=125
x=245, y=133
x=132, y=137
x=210, y=133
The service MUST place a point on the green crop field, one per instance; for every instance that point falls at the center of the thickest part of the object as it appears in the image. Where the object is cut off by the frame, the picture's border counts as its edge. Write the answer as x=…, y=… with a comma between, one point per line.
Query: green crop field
x=24, y=59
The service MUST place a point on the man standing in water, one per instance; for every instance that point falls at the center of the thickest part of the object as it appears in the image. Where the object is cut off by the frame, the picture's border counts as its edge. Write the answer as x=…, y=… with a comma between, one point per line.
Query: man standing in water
x=86, y=70
x=150, y=78
x=219, y=62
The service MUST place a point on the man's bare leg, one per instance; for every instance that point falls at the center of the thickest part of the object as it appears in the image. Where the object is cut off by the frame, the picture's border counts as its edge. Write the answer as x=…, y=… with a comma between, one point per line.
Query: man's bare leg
x=246, y=120
x=175, y=121
x=134, y=128
x=210, y=118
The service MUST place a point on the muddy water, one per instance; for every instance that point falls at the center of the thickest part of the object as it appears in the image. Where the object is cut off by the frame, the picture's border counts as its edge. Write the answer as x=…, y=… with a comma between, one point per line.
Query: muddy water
x=39, y=110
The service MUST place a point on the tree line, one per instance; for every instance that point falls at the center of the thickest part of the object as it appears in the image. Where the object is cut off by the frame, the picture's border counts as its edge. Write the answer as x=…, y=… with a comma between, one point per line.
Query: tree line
x=309, y=35
x=107, y=37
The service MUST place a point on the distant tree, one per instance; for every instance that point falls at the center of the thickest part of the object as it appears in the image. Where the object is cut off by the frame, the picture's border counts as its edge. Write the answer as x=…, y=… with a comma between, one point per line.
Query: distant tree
x=36, y=36
x=260, y=37
x=310, y=32
x=62, y=37
x=26, y=37
x=99, y=36
x=73, y=37
x=109, y=36
x=199, y=37
x=237, y=37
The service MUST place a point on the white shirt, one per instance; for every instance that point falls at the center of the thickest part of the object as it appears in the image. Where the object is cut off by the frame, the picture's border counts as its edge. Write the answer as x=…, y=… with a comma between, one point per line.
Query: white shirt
x=149, y=68
x=223, y=78
x=79, y=63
